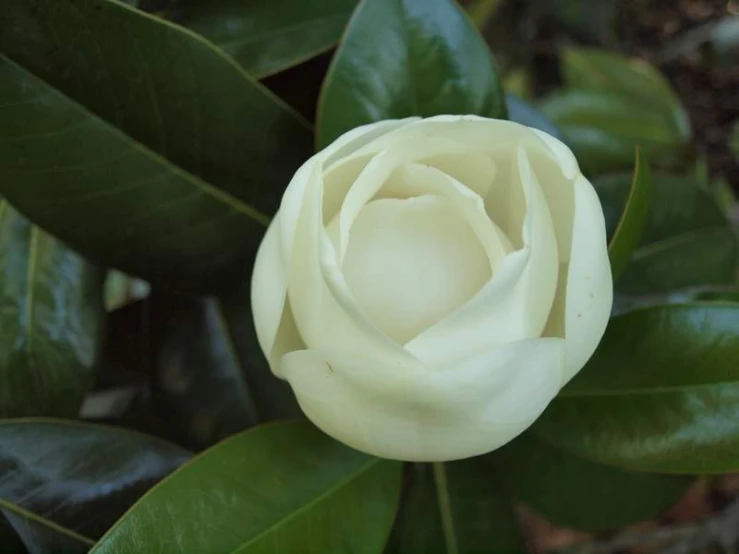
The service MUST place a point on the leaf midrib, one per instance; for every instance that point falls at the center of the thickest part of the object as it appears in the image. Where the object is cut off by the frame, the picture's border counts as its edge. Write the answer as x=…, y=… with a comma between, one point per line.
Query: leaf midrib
x=364, y=468
x=217, y=194
x=26, y=514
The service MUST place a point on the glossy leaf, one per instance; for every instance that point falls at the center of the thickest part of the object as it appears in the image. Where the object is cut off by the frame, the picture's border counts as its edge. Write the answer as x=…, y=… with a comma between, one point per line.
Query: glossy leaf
x=598, y=497
x=211, y=379
x=267, y=36
x=52, y=321
x=594, y=69
x=455, y=508
x=526, y=114
x=400, y=58
x=683, y=223
x=631, y=224
x=283, y=487
x=65, y=483
x=163, y=157
x=660, y=394
x=603, y=126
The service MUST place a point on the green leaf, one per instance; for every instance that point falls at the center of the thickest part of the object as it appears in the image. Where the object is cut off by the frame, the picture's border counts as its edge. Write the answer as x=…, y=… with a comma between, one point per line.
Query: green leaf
x=603, y=127
x=612, y=103
x=211, y=379
x=163, y=157
x=267, y=36
x=594, y=69
x=455, y=508
x=598, y=497
x=660, y=394
x=526, y=114
x=401, y=58
x=630, y=227
x=52, y=321
x=683, y=223
x=282, y=487
x=65, y=483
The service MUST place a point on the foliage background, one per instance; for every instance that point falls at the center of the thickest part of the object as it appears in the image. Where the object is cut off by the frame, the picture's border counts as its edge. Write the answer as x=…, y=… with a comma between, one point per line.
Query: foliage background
x=129, y=139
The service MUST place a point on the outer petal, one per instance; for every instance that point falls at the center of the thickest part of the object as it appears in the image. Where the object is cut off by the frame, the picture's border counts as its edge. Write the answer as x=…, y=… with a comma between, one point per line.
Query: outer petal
x=268, y=288
x=325, y=312
x=427, y=414
x=589, y=292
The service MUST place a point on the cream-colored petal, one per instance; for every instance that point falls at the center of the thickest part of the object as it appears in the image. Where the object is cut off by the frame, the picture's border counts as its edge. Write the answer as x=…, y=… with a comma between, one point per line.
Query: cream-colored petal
x=427, y=415
x=341, y=167
x=377, y=171
x=411, y=262
x=273, y=319
x=515, y=304
x=292, y=203
x=268, y=288
x=361, y=137
x=326, y=314
x=415, y=179
x=557, y=169
x=589, y=294
x=474, y=169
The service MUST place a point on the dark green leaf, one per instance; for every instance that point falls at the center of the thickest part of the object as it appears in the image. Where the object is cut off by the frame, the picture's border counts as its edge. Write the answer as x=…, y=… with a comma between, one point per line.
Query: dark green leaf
x=573, y=492
x=163, y=157
x=267, y=36
x=524, y=113
x=64, y=483
x=455, y=508
x=401, y=58
x=52, y=321
x=660, y=394
x=594, y=69
x=612, y=103
x=683, y=223
x=282, y=487
x=603, y=126
x=211, y=379
x=631, y=224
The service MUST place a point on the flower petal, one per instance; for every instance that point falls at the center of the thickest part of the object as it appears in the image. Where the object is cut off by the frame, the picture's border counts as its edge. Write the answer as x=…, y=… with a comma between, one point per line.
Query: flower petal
x=515, y=304
x=273, y=320
x=411, y=262
x=326, y=314
x=427, y=414
x=583, y=305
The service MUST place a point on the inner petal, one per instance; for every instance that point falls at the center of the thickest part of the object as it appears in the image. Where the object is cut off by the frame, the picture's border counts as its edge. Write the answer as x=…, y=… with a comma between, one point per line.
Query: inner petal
x=411, y=262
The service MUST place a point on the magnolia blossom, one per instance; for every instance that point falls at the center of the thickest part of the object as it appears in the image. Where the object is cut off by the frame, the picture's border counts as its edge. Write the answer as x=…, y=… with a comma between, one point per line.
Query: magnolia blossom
x=429, y=285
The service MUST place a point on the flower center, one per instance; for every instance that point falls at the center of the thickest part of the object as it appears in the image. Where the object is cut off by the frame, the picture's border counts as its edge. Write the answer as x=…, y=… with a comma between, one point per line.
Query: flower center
x=411, y=262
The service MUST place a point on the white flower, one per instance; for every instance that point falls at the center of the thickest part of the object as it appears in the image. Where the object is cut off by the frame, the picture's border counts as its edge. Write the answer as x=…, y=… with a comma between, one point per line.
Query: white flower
x=429, y=285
